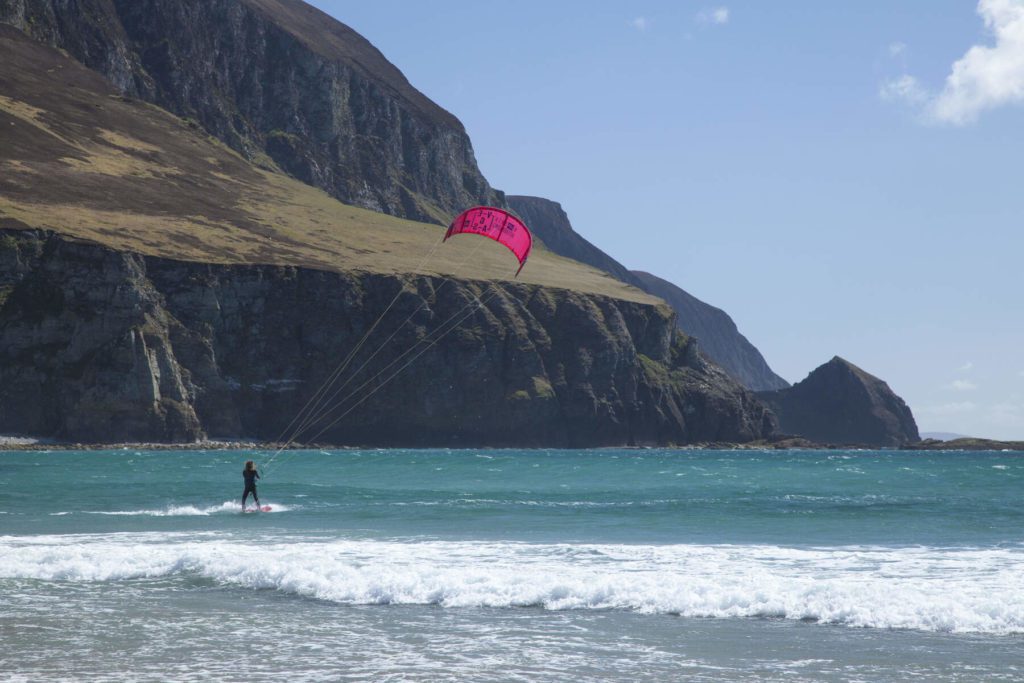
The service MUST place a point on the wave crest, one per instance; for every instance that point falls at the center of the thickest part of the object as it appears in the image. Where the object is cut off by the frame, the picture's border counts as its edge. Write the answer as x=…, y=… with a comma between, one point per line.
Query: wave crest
x=228, y=506
x=953, y=590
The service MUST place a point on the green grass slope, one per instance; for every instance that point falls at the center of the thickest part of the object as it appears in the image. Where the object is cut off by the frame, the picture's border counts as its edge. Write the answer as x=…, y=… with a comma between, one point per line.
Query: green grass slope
x=78, y=159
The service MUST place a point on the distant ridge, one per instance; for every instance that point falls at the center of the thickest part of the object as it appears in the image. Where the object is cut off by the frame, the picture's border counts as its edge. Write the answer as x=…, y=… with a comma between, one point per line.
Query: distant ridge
x=548, y=221
x=719, y=338
x=717, y=333
x=943, y=436
x=966, y=443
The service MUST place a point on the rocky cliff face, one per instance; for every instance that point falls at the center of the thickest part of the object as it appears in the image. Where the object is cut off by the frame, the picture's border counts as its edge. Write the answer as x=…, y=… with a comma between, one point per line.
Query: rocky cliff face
x=89, y=30
x=100, y=345
x=277, y=80
x=718, y=335
x=840, y=403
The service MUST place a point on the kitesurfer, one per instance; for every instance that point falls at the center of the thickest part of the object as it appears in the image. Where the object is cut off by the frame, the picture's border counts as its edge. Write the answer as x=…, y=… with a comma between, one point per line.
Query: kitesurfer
x=250, y=474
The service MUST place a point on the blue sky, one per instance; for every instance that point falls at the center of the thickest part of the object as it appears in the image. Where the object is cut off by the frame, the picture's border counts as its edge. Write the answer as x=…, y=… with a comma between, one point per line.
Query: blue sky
x=841, y=178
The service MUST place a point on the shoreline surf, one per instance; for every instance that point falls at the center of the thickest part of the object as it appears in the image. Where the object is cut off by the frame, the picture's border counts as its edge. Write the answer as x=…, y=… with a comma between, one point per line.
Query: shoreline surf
x=614, y=564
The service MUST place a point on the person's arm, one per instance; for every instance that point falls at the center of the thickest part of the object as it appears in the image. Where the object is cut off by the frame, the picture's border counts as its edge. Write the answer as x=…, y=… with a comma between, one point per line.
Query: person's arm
x=257, y=474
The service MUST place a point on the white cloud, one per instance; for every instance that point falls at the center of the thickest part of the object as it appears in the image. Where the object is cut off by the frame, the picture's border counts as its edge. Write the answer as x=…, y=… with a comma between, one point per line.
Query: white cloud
x=714, y=15
x=999, y=420
x=986, y=77
x=1008, y=415
x=946, y=409
x=639, y=23
x=969, y=365
x=903, y=89
x=963, y=385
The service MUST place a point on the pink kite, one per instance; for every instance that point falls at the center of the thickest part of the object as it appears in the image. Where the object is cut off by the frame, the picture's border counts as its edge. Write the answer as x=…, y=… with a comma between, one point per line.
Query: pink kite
x=497, y=224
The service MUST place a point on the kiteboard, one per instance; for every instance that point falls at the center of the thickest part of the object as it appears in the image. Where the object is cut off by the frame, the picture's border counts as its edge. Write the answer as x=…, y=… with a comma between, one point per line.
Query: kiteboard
x=262, y=508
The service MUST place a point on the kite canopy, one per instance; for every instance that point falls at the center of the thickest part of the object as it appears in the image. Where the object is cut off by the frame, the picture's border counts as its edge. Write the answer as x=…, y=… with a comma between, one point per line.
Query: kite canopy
x=499, y=225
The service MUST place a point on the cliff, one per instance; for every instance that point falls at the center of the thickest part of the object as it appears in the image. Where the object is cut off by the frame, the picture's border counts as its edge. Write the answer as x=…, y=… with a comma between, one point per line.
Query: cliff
x=79, y=159
x=841, y=404
x=156, y=285
x=104, y=345
x=719, y=337
x=284, y=85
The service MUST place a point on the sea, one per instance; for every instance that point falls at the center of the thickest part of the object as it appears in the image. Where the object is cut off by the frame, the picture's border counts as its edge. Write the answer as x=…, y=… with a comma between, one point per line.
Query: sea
x=512, y=565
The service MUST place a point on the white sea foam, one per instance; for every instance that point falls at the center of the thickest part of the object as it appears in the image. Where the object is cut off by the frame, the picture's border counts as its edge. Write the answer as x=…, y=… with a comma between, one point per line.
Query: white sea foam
x=954, y=590
x=6, y=440
x=229, y=506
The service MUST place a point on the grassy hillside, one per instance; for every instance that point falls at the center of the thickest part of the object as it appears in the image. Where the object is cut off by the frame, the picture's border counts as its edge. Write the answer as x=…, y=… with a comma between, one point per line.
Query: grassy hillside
x=78, y=159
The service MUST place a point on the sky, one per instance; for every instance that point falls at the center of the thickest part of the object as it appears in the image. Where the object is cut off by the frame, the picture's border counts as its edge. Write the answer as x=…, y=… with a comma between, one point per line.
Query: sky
x=842, y=178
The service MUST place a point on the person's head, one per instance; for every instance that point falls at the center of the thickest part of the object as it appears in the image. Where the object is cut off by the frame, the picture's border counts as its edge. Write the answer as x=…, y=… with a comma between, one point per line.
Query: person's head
x=250, y=465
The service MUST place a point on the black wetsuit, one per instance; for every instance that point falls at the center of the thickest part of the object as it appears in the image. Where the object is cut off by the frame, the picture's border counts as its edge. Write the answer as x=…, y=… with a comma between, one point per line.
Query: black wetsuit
x=250, y=477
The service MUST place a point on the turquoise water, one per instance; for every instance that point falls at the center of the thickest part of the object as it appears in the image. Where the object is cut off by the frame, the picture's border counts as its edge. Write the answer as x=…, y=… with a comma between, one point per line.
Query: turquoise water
x=513, y=565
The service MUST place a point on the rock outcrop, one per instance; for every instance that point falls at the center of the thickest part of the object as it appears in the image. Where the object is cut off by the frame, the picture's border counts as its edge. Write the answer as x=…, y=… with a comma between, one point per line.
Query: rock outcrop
x=718, y=335
x=104, y=345
x=88, y=30
x=839, y=403
x=280, y=82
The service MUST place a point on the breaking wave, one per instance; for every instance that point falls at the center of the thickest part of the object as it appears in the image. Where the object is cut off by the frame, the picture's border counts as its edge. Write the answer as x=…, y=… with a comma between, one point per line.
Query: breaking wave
x=933, y=589
x=230, y=506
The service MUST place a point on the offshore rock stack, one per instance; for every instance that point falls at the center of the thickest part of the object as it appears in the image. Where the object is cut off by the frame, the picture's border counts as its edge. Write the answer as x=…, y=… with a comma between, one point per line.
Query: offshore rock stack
x=839, y=403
